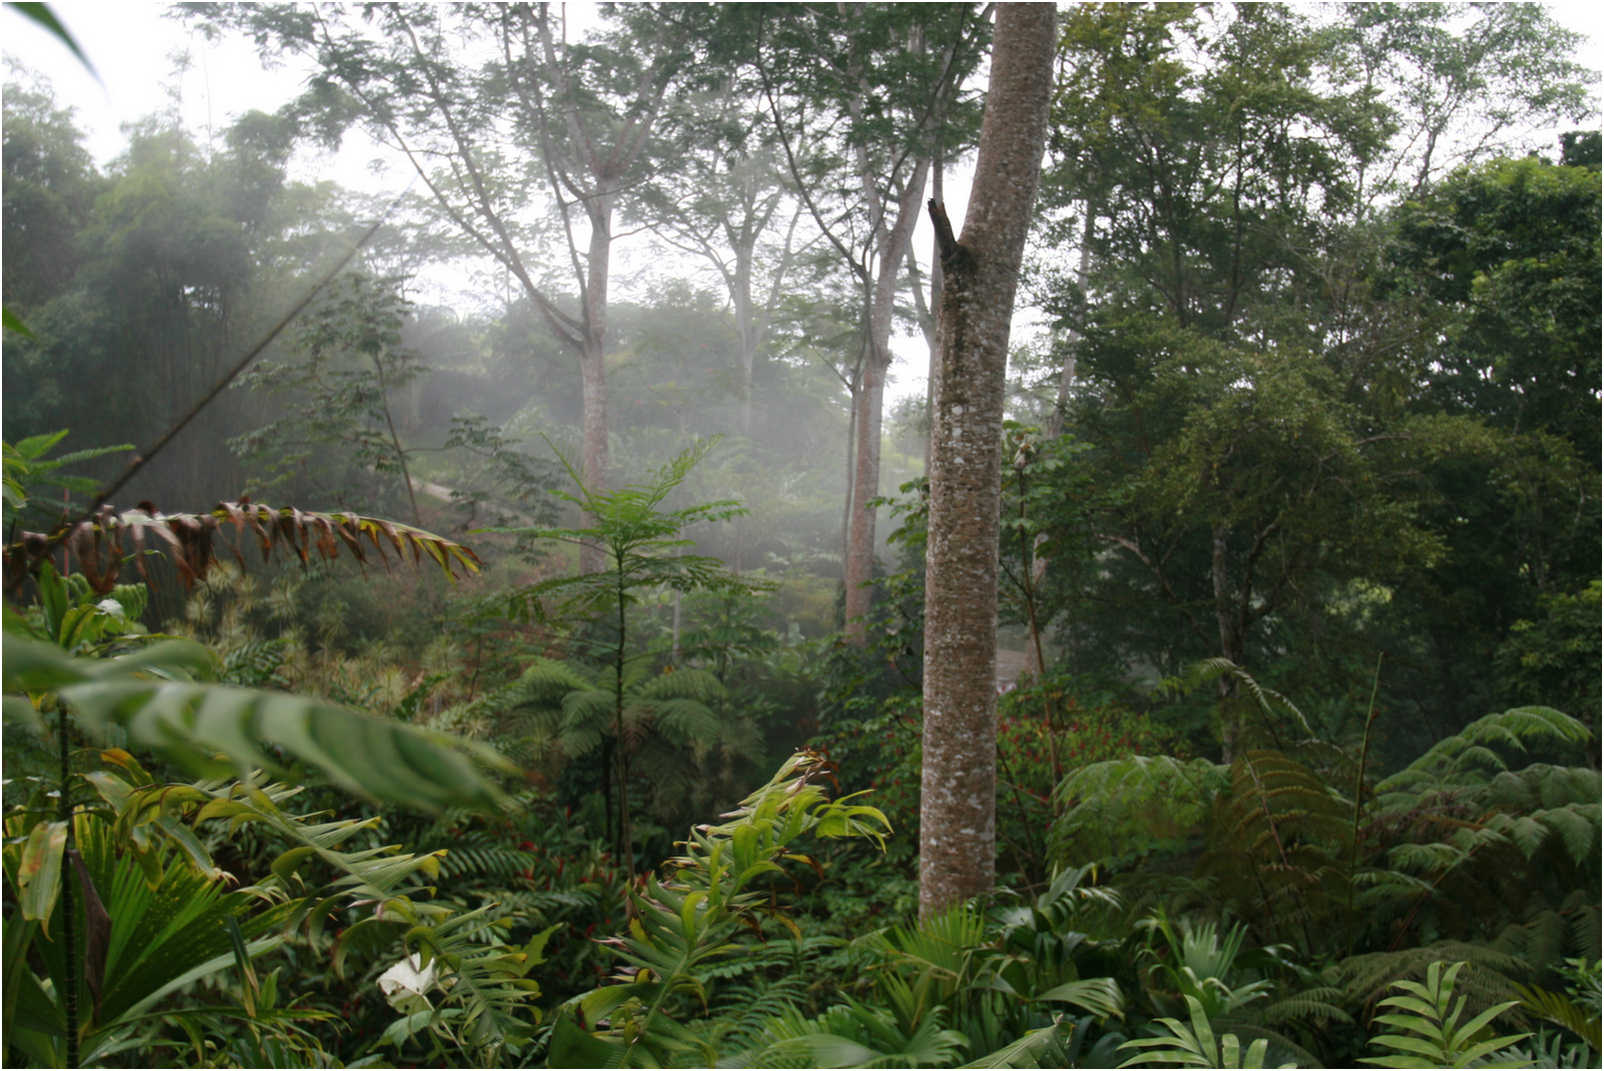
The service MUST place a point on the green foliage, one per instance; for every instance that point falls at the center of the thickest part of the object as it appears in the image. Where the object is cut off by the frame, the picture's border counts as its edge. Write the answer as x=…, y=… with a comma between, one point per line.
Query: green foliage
x=161, y=696
x=1193, y=1044
x=1431, y=1034
x=1040, y=723
x=681, y=736
x=152, y=916
x=643, y=542
x=1120, y=810
x=688, y=923
x=1475, y=850
x=28, y=468
x=1575, y=1012
x=337, y=396
x=1554, y=657
x=149, y=926
x=644, y=549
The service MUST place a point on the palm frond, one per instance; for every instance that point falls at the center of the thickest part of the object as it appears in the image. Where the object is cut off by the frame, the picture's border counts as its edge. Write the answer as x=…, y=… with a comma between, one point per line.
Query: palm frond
x=101, y=544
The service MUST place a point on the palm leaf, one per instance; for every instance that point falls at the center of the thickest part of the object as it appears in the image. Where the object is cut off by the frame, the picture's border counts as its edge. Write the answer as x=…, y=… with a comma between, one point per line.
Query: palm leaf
x=100, y=545
x=218, y=730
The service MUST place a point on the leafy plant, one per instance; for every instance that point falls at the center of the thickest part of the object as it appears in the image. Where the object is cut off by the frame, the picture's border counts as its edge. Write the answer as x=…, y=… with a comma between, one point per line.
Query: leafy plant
x=645, y=549
x=673, y=723
x=1430, y=1033
x=27, y=467
x=1193, y=1044
x=348, y=360
x=144, y=907
x=686, y=926
x=162, y=697
x=149, y=925
x=1576, y=1010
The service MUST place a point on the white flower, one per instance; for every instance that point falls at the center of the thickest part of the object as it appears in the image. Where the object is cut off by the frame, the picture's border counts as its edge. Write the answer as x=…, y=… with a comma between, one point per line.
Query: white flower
x=404, y=984
x=110, y=606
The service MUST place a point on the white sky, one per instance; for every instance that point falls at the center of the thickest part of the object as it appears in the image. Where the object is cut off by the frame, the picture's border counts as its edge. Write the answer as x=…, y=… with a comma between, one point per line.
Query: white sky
x=134, y=46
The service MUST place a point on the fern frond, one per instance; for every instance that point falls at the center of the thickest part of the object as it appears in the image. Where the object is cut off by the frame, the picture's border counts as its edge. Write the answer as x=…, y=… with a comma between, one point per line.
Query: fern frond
x=102, y=543
x=1476, y=754
x=485, y=861
x=1429, y=1012
x=1154, y=803
x=1486, y=977
x=694, y=684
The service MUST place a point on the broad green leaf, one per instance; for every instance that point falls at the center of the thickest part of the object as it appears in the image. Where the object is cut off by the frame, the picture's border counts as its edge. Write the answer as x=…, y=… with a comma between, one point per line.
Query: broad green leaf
x=39, y=873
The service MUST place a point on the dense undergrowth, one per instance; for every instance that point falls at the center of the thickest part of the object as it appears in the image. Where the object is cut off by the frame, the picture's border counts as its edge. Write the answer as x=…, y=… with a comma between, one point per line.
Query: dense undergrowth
x=1293, y=905
x=1300, y=523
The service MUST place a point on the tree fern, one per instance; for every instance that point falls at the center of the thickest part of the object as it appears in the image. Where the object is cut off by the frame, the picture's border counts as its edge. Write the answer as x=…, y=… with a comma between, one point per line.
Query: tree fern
x=743, y=1011
x=1481, y=750
x=1486, y=977
x=1126, y=808
x=1279, y=847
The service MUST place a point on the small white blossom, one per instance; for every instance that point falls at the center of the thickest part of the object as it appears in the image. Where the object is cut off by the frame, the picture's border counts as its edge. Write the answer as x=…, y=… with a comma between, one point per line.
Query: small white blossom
x=110, y=606
x=404, y=984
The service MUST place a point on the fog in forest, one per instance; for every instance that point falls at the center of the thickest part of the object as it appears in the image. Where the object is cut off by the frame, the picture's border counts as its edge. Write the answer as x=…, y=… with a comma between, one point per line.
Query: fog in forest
x=519, y=413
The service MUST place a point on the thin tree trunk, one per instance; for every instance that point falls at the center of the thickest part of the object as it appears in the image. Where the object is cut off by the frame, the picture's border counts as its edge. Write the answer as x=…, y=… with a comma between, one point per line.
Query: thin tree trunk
x=1231, y=636
x=958, y=804
x=865, y=485
x=933, y=335
x=1066, y=378
x=593, y=363
x=870, y=401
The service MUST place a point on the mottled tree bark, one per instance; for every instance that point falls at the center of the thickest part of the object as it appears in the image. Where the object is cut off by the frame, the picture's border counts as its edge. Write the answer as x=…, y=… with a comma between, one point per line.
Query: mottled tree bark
x=957, y=818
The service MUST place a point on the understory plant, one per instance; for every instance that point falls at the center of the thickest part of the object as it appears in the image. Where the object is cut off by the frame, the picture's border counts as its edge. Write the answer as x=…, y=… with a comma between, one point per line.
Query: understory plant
x=697, y=925
x=1484, y=849
x=121, y=902
x=644, y=549
x=1426, y=1028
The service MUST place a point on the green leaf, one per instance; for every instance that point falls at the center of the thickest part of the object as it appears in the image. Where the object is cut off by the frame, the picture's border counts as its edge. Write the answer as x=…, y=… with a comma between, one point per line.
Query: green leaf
x=42, y=15
x=215, y=729
x=1100, y=996
x=39, y=873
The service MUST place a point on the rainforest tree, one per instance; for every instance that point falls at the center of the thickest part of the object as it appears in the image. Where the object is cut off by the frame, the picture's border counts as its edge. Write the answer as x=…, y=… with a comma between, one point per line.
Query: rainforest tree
x=958, y=796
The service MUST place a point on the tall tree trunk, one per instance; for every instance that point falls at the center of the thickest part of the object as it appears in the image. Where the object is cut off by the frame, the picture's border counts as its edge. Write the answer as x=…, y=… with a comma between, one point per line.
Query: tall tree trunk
x=933, y=332
x=870, y=400
x=1066, y=377
x=957, y=816
x=593, y=361
x=1228, y=620
x=746, y=325
x=867, y=403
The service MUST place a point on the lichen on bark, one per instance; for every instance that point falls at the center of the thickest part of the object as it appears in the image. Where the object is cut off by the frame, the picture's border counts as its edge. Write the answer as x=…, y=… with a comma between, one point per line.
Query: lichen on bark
x=957, y=823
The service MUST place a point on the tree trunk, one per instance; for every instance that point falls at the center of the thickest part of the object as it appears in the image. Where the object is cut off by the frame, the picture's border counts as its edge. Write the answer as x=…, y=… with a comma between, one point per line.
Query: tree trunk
x=593, y=362
x=867, y=403
x=957, y=818
x=933, y=333
x=746, y=325
x=1227, y=619
x=870, y=400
